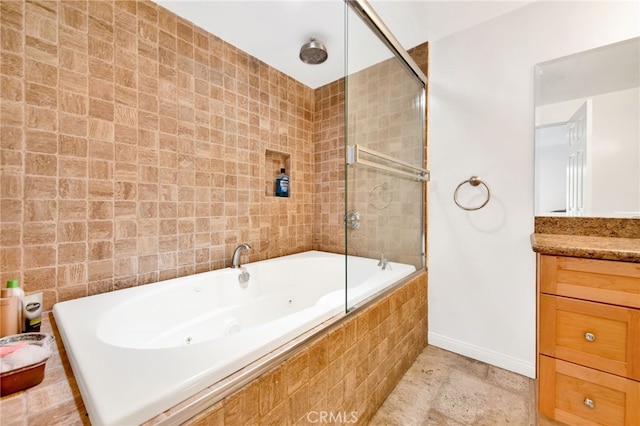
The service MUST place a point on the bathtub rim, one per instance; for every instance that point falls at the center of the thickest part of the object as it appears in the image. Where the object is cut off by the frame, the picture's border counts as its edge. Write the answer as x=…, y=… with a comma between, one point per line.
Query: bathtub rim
x=208, y=397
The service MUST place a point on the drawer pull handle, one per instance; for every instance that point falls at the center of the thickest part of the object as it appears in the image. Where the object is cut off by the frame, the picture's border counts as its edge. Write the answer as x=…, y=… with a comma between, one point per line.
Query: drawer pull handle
x=589, y=337
x=589, y=403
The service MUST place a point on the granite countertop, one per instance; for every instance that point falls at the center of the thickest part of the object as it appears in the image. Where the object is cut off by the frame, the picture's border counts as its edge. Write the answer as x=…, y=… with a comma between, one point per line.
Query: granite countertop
x=608, y=248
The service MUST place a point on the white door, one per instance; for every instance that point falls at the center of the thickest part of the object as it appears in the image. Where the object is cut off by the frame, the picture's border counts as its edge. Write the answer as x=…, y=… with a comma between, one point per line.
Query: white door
x=578, y=138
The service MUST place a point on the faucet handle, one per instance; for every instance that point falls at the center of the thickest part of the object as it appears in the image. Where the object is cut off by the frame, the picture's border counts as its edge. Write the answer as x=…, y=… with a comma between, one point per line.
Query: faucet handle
x=383, y=261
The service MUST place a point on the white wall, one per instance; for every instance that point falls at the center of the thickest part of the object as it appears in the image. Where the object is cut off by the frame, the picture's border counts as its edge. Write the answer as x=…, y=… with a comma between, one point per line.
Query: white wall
x=481, y=121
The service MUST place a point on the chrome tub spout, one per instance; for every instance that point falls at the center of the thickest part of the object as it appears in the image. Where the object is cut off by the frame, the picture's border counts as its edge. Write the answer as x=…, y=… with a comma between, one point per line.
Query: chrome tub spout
x=235, y=263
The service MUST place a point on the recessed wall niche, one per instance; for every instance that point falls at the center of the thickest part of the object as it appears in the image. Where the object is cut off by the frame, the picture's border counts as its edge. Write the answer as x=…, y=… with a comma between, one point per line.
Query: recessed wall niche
x=274, y=161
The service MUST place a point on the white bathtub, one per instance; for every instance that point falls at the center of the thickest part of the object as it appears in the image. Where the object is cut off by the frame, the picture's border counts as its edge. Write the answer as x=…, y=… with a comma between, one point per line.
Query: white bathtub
x=137, y=352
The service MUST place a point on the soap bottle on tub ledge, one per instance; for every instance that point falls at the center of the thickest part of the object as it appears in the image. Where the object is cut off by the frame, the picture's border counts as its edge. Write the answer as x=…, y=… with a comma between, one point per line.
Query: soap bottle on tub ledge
x=282, y=184
x=11, y=307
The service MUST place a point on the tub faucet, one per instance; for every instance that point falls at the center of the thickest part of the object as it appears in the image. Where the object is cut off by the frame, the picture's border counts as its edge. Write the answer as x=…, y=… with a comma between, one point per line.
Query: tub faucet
x=235, y=263
x=384, y=262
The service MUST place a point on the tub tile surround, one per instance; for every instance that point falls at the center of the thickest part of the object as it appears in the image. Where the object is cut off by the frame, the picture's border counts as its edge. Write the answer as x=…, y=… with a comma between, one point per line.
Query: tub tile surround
x=55, y=401
x=133, y=150
x=352, y=367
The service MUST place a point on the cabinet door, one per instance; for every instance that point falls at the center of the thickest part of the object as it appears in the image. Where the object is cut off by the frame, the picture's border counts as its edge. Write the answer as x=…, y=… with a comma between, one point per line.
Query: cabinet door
x=578, y=395
x=596, y=335
x=606, y=281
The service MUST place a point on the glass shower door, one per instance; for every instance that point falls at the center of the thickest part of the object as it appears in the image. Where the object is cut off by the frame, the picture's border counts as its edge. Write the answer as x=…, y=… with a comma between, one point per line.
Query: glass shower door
x=385, y=135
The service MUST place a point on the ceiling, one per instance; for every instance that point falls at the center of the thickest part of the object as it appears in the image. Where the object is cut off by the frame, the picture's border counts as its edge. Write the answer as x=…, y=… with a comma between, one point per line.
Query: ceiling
x=274, y=31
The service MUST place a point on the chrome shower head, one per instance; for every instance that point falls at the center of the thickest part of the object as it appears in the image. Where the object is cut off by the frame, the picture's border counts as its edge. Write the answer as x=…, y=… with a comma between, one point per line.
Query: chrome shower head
x=313, y=52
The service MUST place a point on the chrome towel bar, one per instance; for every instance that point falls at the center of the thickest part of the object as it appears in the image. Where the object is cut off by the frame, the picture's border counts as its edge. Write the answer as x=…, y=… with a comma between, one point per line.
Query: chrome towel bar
x=354, y=157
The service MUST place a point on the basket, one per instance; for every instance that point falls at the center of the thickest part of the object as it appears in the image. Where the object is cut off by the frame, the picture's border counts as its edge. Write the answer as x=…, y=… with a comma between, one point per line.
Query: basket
x=30, y=375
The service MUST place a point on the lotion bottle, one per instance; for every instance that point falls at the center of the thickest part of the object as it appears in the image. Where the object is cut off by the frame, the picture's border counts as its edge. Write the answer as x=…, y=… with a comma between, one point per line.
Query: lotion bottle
x=13, y=289
x=282, y=184
x=32, y=313
x=8, y=309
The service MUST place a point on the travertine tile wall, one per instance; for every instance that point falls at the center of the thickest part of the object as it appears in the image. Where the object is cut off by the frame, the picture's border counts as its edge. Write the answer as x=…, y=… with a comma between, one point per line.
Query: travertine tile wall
x=134, y=149
x=389, y=206
x=328, y=227
x=384, y=115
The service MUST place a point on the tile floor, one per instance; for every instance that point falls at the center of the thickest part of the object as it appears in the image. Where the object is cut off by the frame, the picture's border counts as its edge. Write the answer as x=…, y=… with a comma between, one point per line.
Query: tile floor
x=443, y=388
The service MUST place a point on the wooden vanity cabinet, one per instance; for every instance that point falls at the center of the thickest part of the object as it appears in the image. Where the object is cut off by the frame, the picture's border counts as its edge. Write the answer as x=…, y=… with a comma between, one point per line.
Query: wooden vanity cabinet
x=589, y=341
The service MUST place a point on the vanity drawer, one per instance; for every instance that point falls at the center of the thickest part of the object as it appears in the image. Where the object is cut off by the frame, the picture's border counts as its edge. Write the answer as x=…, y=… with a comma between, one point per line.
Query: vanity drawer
x=596, y=335
x=578, y=395
x=605, y=281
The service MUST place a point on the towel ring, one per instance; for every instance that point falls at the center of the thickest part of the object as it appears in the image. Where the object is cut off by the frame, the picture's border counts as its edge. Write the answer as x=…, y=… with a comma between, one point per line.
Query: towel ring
x=473, y=181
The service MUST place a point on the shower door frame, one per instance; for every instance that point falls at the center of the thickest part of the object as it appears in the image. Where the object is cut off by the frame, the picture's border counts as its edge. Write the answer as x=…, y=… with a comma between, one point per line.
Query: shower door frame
x=373, y=21
x=369, y=16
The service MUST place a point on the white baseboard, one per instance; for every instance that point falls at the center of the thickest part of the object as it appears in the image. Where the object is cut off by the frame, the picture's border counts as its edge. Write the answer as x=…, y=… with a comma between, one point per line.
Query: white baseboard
x=482, y=354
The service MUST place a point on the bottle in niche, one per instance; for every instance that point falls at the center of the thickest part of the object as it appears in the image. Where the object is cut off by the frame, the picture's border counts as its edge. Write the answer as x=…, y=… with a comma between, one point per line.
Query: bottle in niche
x=282, y=184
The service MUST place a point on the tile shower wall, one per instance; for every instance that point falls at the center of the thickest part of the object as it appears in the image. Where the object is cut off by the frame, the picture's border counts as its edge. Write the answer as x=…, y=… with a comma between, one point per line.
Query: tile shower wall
x=133, y=149
x=329, y=232
x=328, y=228
x=382, y=113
